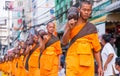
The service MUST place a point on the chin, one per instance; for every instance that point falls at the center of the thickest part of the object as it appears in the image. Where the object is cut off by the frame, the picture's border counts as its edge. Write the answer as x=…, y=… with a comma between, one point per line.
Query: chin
x=85, y=18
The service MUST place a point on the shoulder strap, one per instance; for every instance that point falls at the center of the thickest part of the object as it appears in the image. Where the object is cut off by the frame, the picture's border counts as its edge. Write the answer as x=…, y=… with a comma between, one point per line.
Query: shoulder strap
x=52, y=40
x=89, y=28
x=28, y=57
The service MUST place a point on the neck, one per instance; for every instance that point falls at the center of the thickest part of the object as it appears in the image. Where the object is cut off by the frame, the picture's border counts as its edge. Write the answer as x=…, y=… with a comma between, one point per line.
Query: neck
x=49, y=34
x=81, y=20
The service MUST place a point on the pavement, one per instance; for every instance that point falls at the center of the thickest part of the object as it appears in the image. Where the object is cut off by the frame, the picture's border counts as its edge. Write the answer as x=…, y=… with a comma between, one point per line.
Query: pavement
x=0, y=73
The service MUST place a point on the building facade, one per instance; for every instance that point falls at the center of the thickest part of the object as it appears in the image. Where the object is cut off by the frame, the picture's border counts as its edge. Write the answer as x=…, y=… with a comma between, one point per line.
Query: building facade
x=43, y=11
x=61, y=7
x=22, y=19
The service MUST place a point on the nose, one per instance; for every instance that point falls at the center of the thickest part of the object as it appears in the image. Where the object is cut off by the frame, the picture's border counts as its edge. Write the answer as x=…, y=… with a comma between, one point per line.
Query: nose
x=86, y=12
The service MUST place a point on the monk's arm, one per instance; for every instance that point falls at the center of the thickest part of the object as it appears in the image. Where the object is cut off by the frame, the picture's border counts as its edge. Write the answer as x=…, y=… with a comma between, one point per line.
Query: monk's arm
x=66, y=36
x=98, y=59
x=42, y=44
x=59, y=59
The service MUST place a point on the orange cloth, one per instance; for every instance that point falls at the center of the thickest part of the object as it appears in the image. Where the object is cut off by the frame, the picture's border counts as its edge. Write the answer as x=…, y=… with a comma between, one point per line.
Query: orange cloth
x=33, y=63
x=14, y=68
x=76, y=29
x=24, y=61
x=8, y=65
x=49, y=60
x=79, y=59
x=21, y=70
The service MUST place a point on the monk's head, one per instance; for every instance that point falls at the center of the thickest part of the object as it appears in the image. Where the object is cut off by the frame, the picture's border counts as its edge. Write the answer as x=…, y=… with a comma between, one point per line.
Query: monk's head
x=85, y=9
x=117, y=63
x=0, y=60
x=16, y=50
x=11, y=56
x=30, y=39
x=6, y=57
x=50, y=27
x=35, y=38
x=23, y=47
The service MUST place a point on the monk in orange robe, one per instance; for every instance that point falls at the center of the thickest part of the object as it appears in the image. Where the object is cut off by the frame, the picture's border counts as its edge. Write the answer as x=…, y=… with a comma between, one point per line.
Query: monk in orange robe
x=32, y=55
x=14, y=68
x=50, y=58
x=9, y=64
x=33, y=58
x=21, y=69
x=83, y=44
x=6, y=65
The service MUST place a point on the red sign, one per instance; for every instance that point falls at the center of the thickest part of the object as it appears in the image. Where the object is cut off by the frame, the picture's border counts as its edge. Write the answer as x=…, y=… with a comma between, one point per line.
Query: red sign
x=19, y=21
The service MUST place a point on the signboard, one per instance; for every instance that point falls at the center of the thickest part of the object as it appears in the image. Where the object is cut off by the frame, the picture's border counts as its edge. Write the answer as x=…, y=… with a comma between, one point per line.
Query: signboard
x=8, y=5
x=52, y=11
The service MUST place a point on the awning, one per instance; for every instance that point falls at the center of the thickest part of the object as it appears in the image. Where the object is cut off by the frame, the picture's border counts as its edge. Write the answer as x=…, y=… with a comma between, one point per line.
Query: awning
x=113, y=6
x=101, y=19
x=115, y=17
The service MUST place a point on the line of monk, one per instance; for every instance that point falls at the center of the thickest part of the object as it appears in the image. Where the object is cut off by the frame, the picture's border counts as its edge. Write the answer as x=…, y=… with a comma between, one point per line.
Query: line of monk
x=40, y=54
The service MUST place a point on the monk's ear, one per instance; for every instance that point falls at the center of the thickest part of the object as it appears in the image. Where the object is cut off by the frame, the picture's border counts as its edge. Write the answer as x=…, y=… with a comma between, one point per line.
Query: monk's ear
x=78, y=9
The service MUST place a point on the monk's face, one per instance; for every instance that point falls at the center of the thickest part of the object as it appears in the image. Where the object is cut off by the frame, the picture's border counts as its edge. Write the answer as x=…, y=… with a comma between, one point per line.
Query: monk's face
x=23, y=45
x=85, y=11
x=35, y=38
x=50, y=28
x=117, y=67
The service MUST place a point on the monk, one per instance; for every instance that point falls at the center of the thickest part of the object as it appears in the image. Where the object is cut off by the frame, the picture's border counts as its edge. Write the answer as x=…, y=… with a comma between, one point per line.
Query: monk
x=50, y=58
x=21, y=69
x=84, y=43
x=6, y=65
x=13, y=63
x=28, y=44
x=3, y=68
x=33, y=60
x=31, y=63
x=0, y=64
x=11, y=58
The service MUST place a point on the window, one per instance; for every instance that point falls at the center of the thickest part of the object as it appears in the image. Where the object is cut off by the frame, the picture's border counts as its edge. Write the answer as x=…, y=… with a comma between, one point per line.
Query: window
x=66, y=11
x=20, y=3
x=61, y=15
x=71, y=3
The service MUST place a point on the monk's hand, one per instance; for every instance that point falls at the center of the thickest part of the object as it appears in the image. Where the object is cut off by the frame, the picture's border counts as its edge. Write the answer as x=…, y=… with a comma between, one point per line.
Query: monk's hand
x=71, y=23
x=100, y=71
x=59, y=67
x=105, y=67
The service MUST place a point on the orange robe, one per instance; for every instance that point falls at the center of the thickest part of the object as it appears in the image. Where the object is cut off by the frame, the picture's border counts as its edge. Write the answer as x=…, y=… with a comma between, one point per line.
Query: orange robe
x=8, y=65
x=24, y=61
x=49, y=60
x=33, y=63
x=79, y=59
x=21, y=69
x=14, y=68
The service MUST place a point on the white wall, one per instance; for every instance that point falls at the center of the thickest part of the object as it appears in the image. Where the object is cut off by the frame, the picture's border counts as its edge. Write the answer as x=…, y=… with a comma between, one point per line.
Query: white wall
x=100, y=29
x=4, y=14
x=42, y=8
